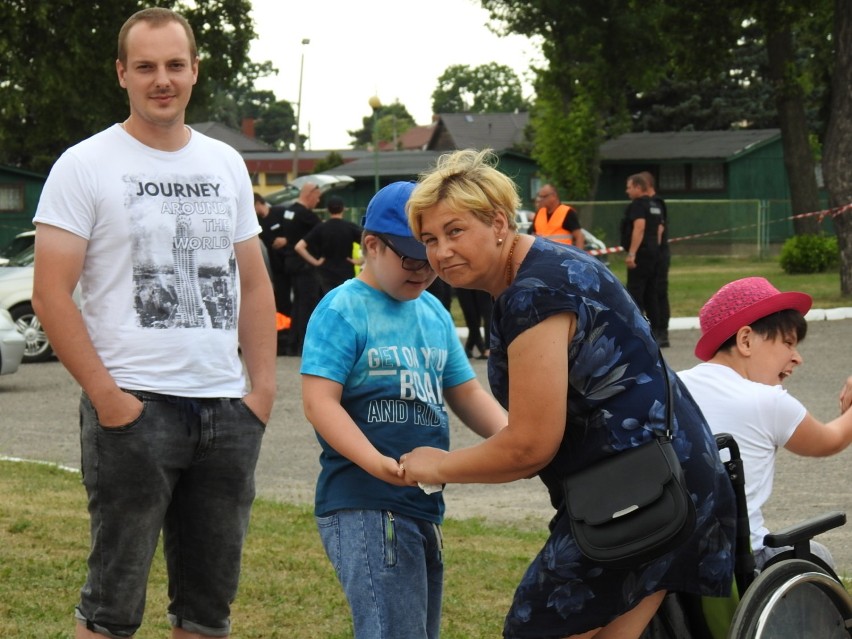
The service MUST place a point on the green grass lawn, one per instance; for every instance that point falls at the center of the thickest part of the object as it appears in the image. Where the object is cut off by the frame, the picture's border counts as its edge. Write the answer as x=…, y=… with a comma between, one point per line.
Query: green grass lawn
x=288, y=588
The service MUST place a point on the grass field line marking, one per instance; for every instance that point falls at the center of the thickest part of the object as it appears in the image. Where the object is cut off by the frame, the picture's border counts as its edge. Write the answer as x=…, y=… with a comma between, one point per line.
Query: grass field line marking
x=40, y=461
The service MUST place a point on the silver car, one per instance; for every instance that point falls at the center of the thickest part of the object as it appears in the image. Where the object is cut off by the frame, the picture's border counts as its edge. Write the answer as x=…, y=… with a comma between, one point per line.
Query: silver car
x=12, y=344
x=16, y=295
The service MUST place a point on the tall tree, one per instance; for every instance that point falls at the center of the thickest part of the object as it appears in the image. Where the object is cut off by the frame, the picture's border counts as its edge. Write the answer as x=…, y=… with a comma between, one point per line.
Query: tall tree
x=786, y=30
x=837, y=153
x=594, y=49
x=615, y=48
x=488, y=88
x=386, y=124
x=275, y=125
x=59, y=81
x=736, y=97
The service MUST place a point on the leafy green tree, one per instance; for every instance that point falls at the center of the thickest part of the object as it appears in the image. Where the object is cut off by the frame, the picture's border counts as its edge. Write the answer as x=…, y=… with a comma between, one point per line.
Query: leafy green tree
x=275, y=125
x=618, y=49
x=391, y=121
x=793, y=36
x=594, y=50
x=837, y=154
x=59, y=81
x=737, y=97
x=230, y=106
x=488, y=88
x=554, y=132
x=330, y=161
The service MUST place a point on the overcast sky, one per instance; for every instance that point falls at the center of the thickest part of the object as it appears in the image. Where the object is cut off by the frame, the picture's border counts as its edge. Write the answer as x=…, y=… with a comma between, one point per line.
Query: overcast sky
x=394, y=49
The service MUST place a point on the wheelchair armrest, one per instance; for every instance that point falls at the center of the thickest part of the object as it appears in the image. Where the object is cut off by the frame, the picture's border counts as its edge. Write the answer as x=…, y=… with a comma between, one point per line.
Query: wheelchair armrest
x=805, y=530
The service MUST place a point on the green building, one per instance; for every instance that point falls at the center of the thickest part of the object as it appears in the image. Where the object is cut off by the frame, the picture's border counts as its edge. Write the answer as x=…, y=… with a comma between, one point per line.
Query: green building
x=19, y=194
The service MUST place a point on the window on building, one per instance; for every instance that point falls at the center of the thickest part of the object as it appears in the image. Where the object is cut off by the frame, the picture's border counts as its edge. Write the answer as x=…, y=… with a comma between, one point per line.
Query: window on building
x=672, y=178
x=708, y=177
x=11, y=198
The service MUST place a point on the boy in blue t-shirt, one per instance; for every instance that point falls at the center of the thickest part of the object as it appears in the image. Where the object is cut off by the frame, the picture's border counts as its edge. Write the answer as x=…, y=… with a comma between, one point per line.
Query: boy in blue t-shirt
x=380, y=363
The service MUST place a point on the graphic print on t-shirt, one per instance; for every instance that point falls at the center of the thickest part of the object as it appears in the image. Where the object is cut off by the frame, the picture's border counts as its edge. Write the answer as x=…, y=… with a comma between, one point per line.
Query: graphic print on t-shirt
x=419, y=373
x=184, y=268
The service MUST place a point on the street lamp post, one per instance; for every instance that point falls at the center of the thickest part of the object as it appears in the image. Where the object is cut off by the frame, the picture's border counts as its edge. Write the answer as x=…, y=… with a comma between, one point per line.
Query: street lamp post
x=296, y=140
x=375, y=105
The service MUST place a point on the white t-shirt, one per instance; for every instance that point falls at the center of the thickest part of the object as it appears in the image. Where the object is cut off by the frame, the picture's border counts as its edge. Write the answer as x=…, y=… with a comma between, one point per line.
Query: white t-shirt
x=760, y=417
x=160, y=289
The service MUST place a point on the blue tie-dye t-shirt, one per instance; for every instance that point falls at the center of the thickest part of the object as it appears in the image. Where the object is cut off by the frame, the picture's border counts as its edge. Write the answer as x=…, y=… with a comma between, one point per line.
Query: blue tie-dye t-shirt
x=394, y=360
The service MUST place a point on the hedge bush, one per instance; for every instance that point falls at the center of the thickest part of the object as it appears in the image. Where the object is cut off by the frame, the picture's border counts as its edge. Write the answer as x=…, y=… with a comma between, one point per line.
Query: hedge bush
x=809, y=254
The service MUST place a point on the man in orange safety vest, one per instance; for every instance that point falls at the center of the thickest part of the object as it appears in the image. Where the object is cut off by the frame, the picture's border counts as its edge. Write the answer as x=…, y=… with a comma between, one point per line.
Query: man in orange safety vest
x=556, y=221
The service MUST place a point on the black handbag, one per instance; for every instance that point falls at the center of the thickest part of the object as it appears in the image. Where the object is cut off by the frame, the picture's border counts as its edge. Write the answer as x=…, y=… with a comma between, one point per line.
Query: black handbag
x=632, y=507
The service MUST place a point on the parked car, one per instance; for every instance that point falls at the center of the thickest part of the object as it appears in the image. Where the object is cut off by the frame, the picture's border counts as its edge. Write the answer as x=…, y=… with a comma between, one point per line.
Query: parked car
x=16, y=294
x=594, y=244
x=290, y=193
x=19, y=243
x=524, y=220
x=12, y=344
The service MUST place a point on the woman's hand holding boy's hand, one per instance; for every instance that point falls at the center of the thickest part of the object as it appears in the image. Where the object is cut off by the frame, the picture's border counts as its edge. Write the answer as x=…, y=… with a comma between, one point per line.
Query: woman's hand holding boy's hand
x=421, y=465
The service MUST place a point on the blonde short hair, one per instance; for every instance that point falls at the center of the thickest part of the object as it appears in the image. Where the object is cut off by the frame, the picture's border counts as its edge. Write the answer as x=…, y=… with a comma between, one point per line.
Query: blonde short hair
x=465, y=180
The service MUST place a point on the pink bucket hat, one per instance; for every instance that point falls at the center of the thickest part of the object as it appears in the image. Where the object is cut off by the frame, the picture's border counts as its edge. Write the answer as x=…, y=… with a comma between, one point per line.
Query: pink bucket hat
x=738, y=304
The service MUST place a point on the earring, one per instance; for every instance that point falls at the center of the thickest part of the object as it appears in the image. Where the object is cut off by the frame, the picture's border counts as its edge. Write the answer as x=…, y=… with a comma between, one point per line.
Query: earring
x=499, y=241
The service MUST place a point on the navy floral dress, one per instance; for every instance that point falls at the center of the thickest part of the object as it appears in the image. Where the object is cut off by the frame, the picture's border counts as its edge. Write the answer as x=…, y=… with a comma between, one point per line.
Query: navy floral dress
x=616, y=397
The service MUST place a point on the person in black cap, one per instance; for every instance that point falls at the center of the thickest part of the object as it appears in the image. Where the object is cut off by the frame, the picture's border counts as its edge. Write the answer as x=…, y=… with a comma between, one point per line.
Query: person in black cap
x=328, y=246
x=381, y=362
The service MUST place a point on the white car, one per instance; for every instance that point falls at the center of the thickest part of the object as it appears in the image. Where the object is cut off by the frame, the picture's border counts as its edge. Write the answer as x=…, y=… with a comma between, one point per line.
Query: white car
x=290, y=193
x=12, y=344
x=16, y=294
x=19, y=243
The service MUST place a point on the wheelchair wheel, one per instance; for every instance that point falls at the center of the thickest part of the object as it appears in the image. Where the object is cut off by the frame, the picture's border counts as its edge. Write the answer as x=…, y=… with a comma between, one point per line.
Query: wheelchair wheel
x=793, y=599
x=787, y=555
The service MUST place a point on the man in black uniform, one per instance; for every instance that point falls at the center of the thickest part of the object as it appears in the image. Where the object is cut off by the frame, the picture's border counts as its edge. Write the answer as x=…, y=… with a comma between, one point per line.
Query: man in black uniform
x=640, y=237
x=297, y=220
x=664, y=313
x=328, y=246
x=273, y=242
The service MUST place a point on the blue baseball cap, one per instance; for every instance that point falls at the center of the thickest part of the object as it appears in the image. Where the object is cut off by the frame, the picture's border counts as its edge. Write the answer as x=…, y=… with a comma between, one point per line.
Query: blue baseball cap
x=386, y=217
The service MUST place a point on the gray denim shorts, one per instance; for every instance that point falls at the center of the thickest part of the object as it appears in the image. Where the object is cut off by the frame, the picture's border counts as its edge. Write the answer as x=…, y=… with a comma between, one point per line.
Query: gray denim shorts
x=184, y=466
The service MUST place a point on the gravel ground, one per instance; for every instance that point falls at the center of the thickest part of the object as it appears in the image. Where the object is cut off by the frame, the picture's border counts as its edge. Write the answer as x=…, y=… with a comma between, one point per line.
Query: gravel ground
x=38, y=417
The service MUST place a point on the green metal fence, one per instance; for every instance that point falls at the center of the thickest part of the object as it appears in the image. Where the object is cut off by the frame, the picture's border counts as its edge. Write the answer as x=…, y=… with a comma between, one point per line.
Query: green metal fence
x=702, y=227
x=737, y=227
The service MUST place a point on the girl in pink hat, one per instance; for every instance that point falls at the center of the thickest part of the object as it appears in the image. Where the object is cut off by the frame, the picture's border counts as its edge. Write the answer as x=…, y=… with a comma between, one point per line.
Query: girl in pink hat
x=750, y=332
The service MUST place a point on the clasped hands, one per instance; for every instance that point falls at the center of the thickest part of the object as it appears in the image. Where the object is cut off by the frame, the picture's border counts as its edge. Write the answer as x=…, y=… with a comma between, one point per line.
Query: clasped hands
x=420, y=466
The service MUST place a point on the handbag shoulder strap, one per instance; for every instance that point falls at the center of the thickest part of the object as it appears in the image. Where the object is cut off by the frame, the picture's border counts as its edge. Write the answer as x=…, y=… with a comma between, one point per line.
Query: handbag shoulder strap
x=668, y=433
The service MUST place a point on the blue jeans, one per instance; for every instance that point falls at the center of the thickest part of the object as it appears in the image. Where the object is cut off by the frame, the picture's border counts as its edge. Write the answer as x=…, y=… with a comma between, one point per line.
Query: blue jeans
x=391, y=569
x=185, y=466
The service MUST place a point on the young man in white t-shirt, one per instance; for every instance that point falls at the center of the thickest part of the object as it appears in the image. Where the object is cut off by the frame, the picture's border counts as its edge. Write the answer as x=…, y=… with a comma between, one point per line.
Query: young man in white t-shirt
x=157, y=223
x=749, y=337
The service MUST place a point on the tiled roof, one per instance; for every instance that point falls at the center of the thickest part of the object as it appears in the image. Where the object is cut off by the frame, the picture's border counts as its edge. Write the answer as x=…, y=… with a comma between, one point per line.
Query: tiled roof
x=231, y=137
x=498, y=131
x=685, y=145
x=390, y=163
x=416, y=138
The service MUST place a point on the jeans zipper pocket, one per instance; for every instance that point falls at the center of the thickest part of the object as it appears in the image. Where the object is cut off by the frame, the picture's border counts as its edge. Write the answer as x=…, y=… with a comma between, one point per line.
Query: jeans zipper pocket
x=390, y=539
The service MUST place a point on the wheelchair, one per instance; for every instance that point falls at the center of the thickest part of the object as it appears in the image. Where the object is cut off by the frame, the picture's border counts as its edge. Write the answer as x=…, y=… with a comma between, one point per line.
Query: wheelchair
x=795, y=596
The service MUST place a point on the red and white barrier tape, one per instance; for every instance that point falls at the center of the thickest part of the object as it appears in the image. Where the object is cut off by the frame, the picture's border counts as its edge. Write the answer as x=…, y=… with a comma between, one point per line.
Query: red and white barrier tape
x=822, y=214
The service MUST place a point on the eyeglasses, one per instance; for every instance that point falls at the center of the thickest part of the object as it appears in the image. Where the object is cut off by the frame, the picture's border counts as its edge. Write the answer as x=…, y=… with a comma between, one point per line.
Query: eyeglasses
x=408, y=263
x=542, y=196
